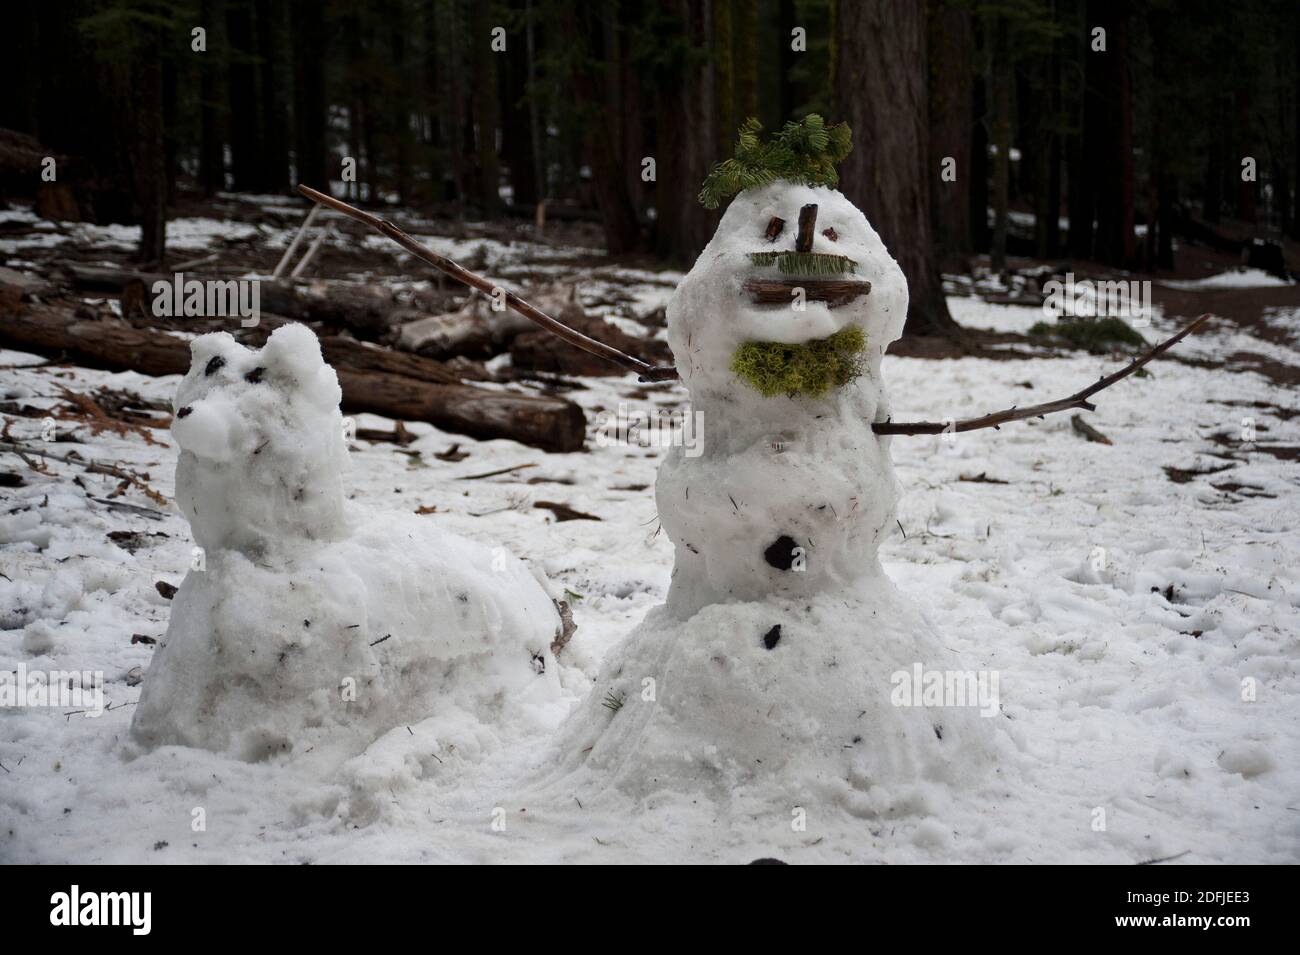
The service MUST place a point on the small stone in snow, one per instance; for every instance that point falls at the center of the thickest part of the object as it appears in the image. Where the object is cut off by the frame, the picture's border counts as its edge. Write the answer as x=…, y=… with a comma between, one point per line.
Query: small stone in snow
x=772, y=637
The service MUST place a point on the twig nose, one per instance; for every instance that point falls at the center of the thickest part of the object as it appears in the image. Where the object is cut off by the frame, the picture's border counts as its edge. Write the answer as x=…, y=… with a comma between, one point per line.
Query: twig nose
x=807, y=226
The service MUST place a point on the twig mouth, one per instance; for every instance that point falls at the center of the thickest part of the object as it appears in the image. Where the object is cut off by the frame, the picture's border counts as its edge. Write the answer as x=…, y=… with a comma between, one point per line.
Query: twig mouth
x=834, y=292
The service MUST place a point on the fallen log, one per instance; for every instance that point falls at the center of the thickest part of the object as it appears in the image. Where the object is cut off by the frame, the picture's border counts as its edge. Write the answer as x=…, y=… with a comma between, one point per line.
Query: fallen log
x=475, y=330
x=404, y=387
x=472, y=331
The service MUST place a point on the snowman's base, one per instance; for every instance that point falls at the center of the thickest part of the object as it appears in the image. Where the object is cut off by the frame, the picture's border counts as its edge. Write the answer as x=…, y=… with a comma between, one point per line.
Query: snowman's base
x=707, y=707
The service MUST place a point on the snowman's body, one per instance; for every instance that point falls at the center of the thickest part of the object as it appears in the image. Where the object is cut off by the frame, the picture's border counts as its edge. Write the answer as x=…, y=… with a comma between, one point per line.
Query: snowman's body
x=778, y=473
x=767, y=673
x=310, y=624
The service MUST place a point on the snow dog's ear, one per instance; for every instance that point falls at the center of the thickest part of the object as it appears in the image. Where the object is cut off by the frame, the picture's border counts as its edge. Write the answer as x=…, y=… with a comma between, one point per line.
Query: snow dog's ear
x=292, y=360
x=292, y=351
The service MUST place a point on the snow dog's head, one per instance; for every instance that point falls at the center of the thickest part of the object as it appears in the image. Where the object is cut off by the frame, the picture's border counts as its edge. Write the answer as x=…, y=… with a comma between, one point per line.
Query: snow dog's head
x=261, y=439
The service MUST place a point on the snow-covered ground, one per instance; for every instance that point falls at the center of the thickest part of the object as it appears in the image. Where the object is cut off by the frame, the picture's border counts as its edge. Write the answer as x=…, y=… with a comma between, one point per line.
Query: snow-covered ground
x=1146, y=632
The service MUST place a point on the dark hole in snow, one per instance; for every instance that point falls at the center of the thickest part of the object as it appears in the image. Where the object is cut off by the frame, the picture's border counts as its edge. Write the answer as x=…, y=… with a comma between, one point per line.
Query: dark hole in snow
x=780, y=554
x=215, y=364
x=255, y=376
x=539, y=662
x=166, y=590
x=184, y=412
x=772, y=637
x=938, y=731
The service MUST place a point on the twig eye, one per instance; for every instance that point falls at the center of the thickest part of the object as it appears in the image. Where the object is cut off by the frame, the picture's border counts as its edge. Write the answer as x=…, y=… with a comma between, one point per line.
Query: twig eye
x=774, y=227
x=831, y=234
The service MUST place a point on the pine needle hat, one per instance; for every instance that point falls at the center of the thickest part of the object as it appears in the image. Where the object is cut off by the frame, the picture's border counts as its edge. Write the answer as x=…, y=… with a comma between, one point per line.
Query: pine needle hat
x=803, y=153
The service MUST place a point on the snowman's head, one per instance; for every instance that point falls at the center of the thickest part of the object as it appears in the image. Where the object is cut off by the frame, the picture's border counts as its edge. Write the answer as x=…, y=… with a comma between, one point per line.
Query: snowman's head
x=760, y=282
x=261, y=438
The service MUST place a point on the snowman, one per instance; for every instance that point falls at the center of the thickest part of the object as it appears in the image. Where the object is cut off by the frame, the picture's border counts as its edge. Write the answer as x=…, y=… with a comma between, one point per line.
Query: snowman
x=307, y=624
x=772, y=670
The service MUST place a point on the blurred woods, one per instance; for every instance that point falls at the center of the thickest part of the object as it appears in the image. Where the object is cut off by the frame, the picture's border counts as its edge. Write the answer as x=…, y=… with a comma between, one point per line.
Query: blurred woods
x=1000, y=128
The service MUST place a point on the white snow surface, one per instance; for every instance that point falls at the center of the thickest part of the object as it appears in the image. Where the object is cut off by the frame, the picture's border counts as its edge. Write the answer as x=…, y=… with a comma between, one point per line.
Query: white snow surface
x=1126, y=614
x=1233, y=278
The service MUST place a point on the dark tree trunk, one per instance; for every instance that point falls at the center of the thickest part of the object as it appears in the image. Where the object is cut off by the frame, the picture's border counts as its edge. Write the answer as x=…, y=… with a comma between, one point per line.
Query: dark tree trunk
x=310, y=110
x=746, y=60
x=212, y=163
x=149, y=154
x=1042, y=156
x=1247, y=192
x=790, y=95
x=517, y=129
x=880, y=86
x=594, y=40
x=401, y=99
x=170, y=124
x=1295, y=147
x=951, y=50
x=486, y=108
x=246, y=149
x=1053, y=204
x=1110, y=134
x=979, y=176
x=1081, y=181
x=683, y=108
x=274, y=156
x=1000, y=80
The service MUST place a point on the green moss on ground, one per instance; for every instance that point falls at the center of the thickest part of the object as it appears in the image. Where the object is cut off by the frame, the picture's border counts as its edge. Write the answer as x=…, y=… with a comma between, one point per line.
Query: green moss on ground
x=810, y=369
x=1092, y=334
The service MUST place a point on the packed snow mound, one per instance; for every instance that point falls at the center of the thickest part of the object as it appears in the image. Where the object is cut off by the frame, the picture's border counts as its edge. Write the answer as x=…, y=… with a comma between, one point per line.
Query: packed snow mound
x=309, y=625
x=822, y=711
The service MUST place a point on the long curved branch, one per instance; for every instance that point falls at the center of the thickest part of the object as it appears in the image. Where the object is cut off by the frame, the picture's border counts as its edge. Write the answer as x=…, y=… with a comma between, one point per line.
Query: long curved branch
x=1077, y=400
x=644, y=370
x=648, y=372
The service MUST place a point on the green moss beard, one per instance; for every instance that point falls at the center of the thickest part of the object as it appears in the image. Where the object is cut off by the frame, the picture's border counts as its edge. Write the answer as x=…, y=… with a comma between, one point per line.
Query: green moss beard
x=810, y=369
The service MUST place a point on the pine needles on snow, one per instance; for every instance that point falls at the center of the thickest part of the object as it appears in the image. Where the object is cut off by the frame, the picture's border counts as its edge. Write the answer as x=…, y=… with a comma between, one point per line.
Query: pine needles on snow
x=804, y=153
x=810, y=369
x=805, y=263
